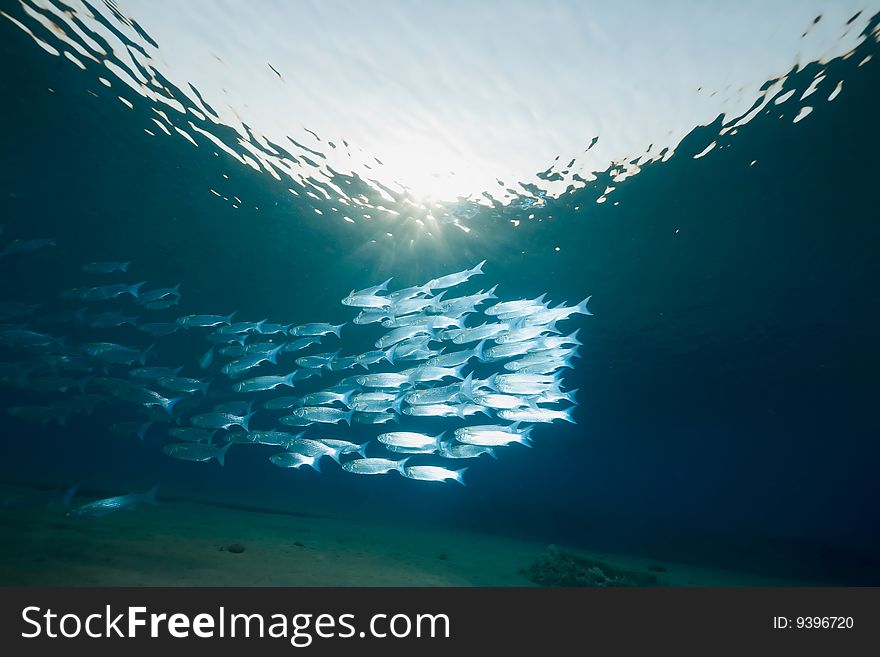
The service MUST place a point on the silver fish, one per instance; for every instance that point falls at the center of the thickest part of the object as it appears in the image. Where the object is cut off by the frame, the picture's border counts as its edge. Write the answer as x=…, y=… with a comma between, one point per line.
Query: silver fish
x=159, y=294
x=444, y=410
x=322, y=414
x=374, y=418
x=344, y=446
x=240, y=327
x=100, y=508
x=489, y=435
x=386, y=380
x=325, y=397
x=478, y=333
x=277, y=438
x=372, y=466
x=197, y=451
x=270, y=381
x=302, y=343
x=184, y=384
x=407, y=306
x=216, y=420
x=452, y=450
x=433, y=473
x=451, y=280
x=409, y=439
x=537, y=415
x=316, y=329
x=513, y=306
x=499, y=401
x=266, y=328
x=295, y=460
x=242, y=365
x=559, y=313
x=369, y=291
x=317, y=361
x=437, y=395
x=204, y=321
x=456, y=358
x=371, y=317
x=366, y=301
x=401, y=334
x=408, y=293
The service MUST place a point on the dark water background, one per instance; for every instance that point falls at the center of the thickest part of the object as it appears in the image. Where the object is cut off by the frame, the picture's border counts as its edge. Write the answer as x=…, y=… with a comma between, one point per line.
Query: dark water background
x=729, y=376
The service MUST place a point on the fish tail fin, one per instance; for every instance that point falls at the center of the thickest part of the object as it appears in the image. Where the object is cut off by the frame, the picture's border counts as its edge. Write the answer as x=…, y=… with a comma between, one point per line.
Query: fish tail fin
x=459, y=372
x=568, y=415
x=478, y=269
x=169, y=405
x=348, y=417
x=316, y=462
x=384, y=285
x=362, y=449
x=150, y=495
x=142, y=429
x=466, y=389
x=401, y=464
x=273, y=355
x=571, y=395
x=204, y=387
x=479, y=351
x=389, y=355
x=335, y=454
x=459, y=474
x=124, y=266
x=221, y=454
x=493, y=453
x=582, y=306
x=491, y=382
x=572, y=337
x=135, y=290
x=491, y=292
x=147, y=353
x=69, y=494
x=245, y=421
x=338, y=329
x=231, y=316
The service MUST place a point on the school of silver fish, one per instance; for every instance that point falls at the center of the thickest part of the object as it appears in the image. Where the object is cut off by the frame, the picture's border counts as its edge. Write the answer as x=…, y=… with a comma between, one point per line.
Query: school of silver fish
x=446, y=377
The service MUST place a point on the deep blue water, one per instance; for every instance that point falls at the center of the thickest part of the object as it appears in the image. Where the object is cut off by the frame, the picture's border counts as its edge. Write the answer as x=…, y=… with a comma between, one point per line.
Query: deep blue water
x=728, y=379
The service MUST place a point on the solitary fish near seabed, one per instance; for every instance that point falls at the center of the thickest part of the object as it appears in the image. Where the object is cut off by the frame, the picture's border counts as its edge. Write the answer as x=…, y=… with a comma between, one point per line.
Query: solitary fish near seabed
x=100, y=508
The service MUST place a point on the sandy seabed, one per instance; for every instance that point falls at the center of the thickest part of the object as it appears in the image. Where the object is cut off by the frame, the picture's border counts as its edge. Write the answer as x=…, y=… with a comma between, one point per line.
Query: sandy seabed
x=181, y=543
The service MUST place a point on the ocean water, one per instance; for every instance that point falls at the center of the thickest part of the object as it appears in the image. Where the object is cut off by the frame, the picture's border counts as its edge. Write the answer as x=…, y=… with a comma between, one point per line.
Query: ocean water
x=725, y=386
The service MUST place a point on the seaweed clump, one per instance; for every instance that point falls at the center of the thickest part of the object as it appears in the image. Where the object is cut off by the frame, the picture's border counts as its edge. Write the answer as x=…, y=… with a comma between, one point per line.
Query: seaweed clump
x=558, y=568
